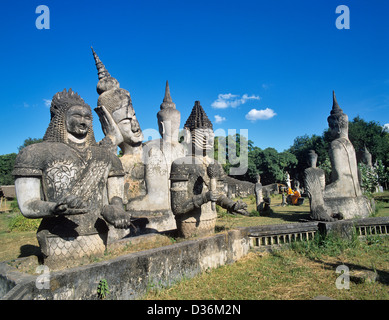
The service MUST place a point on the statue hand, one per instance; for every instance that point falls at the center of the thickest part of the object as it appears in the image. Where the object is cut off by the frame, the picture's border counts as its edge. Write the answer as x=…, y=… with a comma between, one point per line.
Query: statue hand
x=70, y=205
x=109, y=126
x=116, y=216
x=212, y=196
x=240, y=207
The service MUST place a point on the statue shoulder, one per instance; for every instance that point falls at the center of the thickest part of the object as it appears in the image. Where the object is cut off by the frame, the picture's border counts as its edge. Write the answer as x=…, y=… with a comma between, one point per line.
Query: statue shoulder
x=186, y=167
x=31, y=160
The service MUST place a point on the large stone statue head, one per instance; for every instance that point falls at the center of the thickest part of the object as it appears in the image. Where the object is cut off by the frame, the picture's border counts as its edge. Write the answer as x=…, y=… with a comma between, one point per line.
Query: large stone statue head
x=312, y=159
x=337, y=121
x=168, y=118
x=118, y=103
x=201, y=130
x=71, y=119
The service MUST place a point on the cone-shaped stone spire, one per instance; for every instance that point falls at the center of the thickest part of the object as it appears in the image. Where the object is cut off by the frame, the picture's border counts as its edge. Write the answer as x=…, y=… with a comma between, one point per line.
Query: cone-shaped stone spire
x=167, y=100
x=101, y=70
x=106, y=81
x=198, y=118
x=335, y=107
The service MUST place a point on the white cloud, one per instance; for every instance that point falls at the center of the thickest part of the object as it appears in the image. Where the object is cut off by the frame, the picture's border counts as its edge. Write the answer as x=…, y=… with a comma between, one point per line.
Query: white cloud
x=265, y=114
x=386, y=127
x=26, y=105
x=225, y=100
x=219, y=119
x=47, y=102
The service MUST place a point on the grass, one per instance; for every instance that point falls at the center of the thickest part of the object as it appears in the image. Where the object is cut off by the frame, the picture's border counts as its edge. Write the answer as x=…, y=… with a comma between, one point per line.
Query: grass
x=289, y=274
x=303, y=271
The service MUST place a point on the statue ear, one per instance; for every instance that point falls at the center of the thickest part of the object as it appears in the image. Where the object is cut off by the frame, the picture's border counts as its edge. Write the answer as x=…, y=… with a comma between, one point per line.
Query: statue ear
x=163, y=127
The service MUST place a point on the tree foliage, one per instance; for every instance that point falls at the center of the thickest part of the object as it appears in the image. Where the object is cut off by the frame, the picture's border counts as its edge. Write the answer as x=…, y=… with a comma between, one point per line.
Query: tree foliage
x=269, y=163
x=7, y=162
x=29, y=141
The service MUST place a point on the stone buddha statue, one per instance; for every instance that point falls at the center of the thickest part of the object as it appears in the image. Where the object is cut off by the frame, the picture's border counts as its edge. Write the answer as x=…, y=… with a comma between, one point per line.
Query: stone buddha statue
x=343, y=195
x=146, y=165
x=314, y=181
x=72, y=183
x=160, y=154
x=118, y=104
x=367, y=158
x=258, y=190
x=197, y=181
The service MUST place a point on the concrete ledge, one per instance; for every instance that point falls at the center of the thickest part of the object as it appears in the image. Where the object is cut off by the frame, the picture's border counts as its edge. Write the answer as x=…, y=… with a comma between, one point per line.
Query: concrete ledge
x=129, y=276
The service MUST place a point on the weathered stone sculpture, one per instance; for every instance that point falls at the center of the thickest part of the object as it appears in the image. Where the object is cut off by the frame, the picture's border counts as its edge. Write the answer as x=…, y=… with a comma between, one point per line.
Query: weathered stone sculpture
x=259, y=194
x=287, y=180
x=118, y=103
x=194, y=187
x=160, y=155
x=314, y=180
x=367, y=158
x=146, y=165
x=71, y=182
x=343, y=195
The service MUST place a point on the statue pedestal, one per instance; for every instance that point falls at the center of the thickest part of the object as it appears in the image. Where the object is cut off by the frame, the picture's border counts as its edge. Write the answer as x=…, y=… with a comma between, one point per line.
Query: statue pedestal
x=153, y=221
x=64, y=252
x=349, y=207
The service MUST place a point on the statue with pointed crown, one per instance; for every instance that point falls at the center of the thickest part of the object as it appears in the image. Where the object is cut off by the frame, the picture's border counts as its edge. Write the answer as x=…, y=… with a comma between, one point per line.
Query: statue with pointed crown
x=314, y=181
x=155, y=205
x=197, y=181
x=343, y=195
x=72, y=183
x=146, y=165
x=116, y=103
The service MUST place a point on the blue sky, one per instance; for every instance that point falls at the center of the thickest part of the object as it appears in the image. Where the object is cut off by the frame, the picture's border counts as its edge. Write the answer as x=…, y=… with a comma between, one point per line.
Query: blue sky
x=273, y=61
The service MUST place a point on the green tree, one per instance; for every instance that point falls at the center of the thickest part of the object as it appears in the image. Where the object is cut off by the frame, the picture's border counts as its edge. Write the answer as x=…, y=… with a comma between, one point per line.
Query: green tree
x=230, y=151
x=270, y=164
x=371, y=135
x=29, y=141
x=7, y=162
x=301, y=147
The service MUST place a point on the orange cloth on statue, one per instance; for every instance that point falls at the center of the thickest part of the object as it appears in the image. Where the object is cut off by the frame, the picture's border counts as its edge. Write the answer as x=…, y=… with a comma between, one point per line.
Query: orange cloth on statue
x=296, y=195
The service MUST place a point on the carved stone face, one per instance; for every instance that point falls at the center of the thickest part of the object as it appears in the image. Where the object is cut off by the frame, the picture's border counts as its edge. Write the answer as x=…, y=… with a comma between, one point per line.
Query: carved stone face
x=78, y=121
x=128, y=124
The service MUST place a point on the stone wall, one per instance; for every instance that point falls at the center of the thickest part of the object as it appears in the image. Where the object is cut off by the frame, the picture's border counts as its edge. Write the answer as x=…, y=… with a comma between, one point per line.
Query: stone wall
x=129, y=276
x=238, y=188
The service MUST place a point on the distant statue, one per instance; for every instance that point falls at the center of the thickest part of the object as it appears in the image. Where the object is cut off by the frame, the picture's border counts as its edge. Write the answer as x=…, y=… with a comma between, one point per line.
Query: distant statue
x=259, y=194
x=287, y=180
x=343, y=194
x=197, y=181
x=367, y=158
x=72, y=183
x=314, y=180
